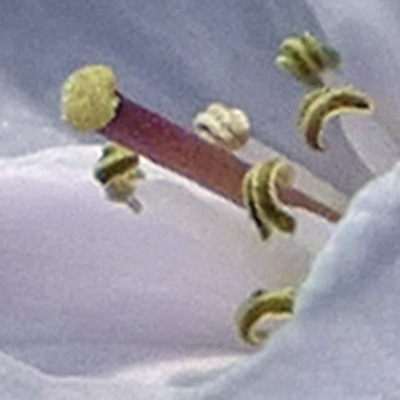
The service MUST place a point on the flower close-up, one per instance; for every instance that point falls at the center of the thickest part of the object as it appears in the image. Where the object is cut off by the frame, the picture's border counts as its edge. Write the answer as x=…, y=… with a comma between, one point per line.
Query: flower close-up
x=199, y=200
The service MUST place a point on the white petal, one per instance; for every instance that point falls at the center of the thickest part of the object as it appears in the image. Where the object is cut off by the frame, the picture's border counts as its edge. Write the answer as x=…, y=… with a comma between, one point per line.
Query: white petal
x=367, y=34
x=343, y=341
x=88, y=287
x=19, y=381
x=376, y=148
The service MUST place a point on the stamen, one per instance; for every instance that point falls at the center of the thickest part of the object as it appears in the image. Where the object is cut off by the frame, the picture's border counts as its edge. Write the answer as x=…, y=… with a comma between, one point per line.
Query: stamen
x=173, y=147
x=263, y=307
x=118, y=171
x=322, y=104
x=306, y=59
x=228, y=128
x=325, y=57
x=260, y=197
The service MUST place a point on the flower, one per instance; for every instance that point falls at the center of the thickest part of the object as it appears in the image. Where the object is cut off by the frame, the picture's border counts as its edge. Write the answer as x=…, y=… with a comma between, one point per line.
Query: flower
x=75, y=305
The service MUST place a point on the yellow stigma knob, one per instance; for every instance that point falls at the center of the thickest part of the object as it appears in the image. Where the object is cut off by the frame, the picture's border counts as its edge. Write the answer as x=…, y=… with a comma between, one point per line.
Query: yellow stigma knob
x=89, y=99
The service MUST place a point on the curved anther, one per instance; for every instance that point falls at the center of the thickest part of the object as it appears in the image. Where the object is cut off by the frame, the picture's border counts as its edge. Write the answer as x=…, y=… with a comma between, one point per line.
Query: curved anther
x=261, y=199
x=260, y=309
x=118, y=171
x=222, y=126
x=322, y=104
x=306, y=59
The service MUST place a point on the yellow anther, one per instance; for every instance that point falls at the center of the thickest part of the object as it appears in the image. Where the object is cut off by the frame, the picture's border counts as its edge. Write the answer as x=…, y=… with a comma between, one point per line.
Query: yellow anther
x=306, y=59
x=263, y=308
x=261, y=199
x=89, y=100
x=118, y=171
x=322, y=104
x=225, y=127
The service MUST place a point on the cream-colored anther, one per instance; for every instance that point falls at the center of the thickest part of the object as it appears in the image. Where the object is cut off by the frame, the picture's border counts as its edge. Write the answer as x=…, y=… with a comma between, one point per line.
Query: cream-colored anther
x=306, y=59
x=261, y=309
x=89, y=100
x=118, y=171
x=322, y=104
x=225, y=127
x=261, y=199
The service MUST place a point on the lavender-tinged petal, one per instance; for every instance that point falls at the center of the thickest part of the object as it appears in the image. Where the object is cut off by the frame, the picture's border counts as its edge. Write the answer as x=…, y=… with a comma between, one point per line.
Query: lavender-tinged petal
x=89, y=287
x=19, y=381
x=343, y=341
x=367, y=34
x=370, y=139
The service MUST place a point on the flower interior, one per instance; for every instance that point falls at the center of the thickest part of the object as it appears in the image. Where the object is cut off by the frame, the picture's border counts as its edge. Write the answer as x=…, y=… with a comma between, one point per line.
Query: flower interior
x=90, y=101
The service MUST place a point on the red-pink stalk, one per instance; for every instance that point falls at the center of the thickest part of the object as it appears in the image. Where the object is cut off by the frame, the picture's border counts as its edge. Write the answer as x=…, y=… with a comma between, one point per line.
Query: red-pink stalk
x=175, y=148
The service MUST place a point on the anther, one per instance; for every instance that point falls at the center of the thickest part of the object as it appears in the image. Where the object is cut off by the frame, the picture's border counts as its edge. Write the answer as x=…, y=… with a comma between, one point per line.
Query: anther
x=322, y=104
x=222, y=126
x=118, y=171
x=306, y=59
x=261, y=199
x=260, y=309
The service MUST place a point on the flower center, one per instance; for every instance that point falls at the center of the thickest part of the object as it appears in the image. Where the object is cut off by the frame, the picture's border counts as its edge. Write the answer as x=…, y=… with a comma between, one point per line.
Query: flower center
x=90, y=102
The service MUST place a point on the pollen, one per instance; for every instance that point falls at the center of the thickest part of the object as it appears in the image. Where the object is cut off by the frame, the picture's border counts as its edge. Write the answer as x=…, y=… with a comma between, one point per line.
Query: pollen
x=260, y=197
x=89, y=100
x=260, y=309
x=322, y=104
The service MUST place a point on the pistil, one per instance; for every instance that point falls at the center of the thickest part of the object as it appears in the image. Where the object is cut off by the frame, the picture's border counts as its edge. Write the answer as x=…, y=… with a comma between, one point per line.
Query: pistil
x=170, y=145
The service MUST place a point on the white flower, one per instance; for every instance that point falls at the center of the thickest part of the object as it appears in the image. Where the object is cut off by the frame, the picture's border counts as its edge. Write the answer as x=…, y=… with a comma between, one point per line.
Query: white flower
x=98, y=303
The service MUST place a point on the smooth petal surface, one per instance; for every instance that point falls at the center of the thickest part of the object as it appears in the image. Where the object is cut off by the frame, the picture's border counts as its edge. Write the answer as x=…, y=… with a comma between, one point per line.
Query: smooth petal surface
x=87, y=287
x=343, y=342
x=174, y=58
x=367, y=34
x=19, y=381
